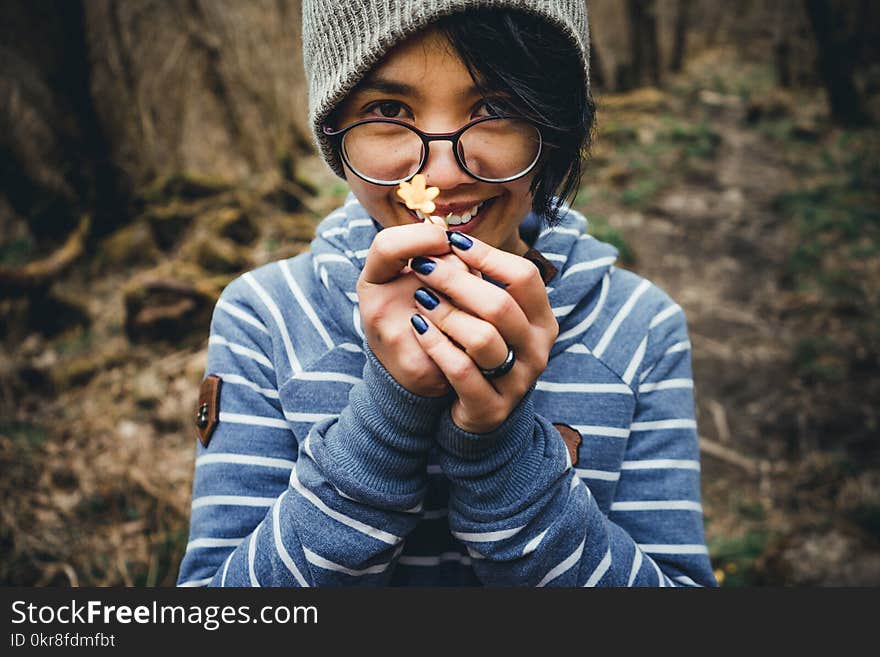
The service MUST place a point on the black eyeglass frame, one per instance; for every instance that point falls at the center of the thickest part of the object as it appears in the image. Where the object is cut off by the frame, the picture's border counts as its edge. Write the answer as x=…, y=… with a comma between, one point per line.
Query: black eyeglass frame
x=427, y=138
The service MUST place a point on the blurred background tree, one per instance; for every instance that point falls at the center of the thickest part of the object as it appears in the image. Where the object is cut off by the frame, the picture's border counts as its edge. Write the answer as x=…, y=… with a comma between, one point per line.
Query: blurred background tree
x=105, y=98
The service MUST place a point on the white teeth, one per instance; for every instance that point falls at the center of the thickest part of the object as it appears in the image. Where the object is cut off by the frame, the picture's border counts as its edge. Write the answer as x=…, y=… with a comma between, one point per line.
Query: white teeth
x=453, y=219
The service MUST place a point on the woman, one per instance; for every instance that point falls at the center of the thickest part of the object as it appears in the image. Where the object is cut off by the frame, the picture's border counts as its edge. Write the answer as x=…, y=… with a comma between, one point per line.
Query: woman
x=402, y=405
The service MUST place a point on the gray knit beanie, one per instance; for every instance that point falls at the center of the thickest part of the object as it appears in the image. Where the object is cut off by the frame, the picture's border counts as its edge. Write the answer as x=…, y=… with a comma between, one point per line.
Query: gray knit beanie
x=343, y=39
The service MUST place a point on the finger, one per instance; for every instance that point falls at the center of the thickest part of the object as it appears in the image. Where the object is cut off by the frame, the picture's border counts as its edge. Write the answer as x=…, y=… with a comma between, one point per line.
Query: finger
x=393, y=247
x=478, y=297
x=377, y=303
x=453, y=261
x=450, y=258
x=479, y=339
x=521, y=277
x=458, y=368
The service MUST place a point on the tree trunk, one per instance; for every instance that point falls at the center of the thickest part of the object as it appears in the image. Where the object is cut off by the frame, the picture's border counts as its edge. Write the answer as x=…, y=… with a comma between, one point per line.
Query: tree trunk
x=645, y=61
x=635, y=9
x=679, y=42
x=651, y=43
x=597, y=73
x=48, y=142
x=836, y=62
x=100, y=98
x=715, y=19
x=610, y=45
x=782, y=44
x=211, y=88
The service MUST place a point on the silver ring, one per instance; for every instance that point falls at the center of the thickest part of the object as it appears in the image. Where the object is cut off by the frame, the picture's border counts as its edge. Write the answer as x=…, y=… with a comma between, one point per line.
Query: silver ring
x=502, y=369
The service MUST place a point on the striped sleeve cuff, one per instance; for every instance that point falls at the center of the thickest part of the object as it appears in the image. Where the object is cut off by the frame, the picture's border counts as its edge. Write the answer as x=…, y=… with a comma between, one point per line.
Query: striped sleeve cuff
x=407, y=412
x=500, y=443
x=378, y=451
x=495, y=469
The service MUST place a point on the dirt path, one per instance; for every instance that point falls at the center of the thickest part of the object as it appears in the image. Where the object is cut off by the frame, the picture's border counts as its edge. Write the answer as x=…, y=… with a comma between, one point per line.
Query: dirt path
x=718, y=250
x=714, y=240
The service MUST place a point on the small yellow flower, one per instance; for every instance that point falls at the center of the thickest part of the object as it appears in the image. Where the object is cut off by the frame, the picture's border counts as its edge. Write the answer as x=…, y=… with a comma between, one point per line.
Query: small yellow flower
x=416, y=196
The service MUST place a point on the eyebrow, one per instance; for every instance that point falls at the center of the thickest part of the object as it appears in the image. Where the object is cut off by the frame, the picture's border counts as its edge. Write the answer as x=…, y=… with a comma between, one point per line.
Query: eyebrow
x=379, y=84
x=387, y=86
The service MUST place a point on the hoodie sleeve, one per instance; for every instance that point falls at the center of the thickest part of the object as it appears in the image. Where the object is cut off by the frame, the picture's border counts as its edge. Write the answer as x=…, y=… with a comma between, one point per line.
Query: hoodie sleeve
x=528, y=519
x=271, y=508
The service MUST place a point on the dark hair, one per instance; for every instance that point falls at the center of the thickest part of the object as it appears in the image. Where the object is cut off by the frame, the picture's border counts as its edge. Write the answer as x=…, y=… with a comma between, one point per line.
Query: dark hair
x=532, y=64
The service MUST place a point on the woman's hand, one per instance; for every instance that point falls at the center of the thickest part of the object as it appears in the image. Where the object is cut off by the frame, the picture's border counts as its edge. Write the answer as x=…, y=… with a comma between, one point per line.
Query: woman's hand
x=385, y=294
x=484, y=319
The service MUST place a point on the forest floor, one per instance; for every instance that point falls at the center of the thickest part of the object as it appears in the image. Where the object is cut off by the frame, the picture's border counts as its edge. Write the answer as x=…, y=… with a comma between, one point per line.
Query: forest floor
x=733, y=196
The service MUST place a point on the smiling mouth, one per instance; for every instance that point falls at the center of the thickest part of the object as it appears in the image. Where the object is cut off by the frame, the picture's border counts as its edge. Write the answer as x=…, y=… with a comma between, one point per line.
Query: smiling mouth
x=452, y=219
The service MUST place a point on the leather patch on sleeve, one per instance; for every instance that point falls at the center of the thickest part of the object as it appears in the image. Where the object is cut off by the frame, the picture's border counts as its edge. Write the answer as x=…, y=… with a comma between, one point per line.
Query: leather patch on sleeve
x=545, y=267
x=572, y=439
x=208, y=413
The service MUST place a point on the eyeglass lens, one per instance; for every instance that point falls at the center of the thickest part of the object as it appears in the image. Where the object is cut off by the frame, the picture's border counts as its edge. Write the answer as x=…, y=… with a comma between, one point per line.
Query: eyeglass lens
x=493, y=150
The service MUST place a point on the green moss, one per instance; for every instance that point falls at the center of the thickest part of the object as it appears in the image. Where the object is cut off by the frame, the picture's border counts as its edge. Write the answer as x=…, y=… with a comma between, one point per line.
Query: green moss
x=736, y=557
x=695, y=139
x=165, y=561
x=752, y=511
x=602, y=230
x=640, y=193
x=339, y=189
x=76, y=342
x=24, y=435
x=837, y=217
x=16, y=252
x=816, y=358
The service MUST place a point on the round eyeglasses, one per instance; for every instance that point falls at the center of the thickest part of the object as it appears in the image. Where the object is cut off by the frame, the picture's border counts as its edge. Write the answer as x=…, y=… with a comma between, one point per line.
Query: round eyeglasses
x=493, y=149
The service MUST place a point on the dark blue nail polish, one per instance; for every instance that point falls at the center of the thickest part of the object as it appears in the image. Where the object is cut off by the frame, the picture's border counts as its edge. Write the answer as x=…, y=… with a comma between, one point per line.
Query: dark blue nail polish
x=426, y=298
x=423, y=265
x=419, y=323
x=458, y=240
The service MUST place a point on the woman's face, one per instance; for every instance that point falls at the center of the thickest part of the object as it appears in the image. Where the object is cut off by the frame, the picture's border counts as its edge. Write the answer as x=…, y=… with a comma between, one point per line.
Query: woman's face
x=423, y=82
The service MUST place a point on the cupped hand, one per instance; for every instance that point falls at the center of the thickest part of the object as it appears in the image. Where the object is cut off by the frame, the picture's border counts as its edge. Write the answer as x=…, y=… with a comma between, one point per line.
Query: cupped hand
x=385, y=291
x=471, y=323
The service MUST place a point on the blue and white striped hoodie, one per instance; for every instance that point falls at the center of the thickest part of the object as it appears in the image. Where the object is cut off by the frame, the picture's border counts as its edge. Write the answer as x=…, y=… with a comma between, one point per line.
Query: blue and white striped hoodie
x=324, y=471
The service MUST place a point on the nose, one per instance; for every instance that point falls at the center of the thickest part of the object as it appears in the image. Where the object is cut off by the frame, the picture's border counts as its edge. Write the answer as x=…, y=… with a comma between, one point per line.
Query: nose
x=441, y=168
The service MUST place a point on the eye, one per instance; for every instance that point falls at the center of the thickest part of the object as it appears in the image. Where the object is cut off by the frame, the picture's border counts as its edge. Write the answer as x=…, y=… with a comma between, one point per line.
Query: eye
x=488, y=108
x=387, y=109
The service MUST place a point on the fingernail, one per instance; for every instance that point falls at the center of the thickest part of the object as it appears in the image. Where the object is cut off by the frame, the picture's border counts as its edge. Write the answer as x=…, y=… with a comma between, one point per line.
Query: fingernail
x=423, y=265
x=426, y=299
x=419, y=323
x=458, y=240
